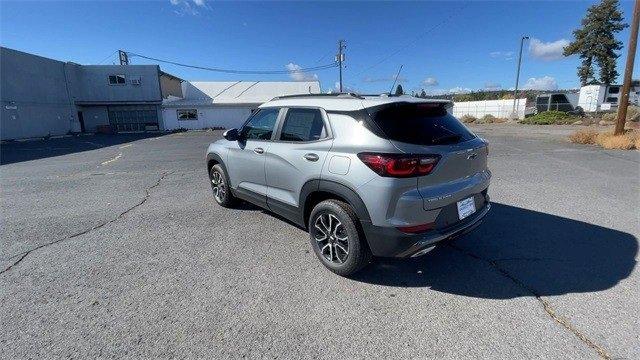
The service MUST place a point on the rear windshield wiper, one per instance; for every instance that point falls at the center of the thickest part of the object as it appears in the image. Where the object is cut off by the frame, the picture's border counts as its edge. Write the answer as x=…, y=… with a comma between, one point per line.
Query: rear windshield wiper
x=446, y=138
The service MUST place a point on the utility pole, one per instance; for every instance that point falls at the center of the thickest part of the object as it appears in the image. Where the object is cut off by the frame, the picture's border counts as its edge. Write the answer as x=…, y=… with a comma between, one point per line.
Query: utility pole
x=340, y=58
x=628, y=71
x=124, y=58
x=515, y=92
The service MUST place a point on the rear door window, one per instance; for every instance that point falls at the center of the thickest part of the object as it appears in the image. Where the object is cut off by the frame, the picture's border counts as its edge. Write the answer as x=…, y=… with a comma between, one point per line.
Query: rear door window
x=419, y=123
x=303, y=125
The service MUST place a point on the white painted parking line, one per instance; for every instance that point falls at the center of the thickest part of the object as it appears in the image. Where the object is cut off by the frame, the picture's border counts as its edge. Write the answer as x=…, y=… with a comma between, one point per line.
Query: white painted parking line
x=112, y=160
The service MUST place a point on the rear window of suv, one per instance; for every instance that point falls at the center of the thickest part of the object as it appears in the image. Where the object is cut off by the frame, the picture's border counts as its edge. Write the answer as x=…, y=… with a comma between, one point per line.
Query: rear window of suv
x=419, y=123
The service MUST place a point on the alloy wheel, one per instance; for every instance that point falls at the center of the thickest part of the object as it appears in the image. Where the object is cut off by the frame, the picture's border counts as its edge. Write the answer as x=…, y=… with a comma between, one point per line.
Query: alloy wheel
x=218, y=185
x=332, y=238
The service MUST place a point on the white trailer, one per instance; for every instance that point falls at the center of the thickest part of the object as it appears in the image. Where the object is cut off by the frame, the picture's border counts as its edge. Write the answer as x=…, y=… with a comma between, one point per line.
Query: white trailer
x=606, y=97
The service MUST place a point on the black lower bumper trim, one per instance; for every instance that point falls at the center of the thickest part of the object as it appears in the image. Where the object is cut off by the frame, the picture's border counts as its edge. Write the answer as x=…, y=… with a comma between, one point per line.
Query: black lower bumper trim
x=390, y=242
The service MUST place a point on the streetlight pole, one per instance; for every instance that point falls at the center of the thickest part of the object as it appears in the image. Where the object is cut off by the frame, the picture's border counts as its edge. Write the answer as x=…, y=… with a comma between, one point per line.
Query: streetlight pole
x=515, y=92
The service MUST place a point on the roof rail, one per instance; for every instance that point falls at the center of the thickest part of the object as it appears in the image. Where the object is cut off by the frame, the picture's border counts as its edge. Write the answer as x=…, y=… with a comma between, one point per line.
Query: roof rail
x=334, y=95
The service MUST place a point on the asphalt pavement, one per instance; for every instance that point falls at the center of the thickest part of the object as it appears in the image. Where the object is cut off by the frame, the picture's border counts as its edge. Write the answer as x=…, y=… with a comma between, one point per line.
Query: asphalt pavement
x=112, y=247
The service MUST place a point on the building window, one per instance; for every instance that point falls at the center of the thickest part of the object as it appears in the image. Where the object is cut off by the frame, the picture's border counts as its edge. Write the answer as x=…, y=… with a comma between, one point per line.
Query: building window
x=614, y=90
x=612, y=99
x=117, y=80
x=187, y=114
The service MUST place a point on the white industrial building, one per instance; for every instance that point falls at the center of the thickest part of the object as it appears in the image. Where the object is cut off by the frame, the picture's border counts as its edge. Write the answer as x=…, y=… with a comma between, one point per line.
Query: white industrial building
x=210, y=104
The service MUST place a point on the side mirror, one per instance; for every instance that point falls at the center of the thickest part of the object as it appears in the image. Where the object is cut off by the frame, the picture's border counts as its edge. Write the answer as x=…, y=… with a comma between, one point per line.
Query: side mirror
x=231, y=135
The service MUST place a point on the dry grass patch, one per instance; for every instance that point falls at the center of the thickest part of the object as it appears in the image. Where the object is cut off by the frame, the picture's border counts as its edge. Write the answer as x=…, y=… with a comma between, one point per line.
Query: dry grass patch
x=586, y=136
x=468, y=119
x=627, y=141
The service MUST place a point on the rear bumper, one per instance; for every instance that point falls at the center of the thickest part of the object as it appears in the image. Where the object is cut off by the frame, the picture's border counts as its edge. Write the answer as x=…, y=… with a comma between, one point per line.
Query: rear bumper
x=390, y=242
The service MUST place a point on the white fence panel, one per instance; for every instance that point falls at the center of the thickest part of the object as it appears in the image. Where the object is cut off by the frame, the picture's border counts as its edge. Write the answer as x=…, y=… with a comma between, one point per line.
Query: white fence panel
x=497, y=108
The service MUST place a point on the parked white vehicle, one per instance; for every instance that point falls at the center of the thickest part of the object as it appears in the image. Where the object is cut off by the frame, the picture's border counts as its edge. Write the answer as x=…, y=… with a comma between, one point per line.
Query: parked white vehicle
x=606, y=97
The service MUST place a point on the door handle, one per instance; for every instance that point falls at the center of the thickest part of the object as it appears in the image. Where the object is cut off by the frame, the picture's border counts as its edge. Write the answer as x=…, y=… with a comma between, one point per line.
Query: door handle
x=311, y=157
x=258, y=150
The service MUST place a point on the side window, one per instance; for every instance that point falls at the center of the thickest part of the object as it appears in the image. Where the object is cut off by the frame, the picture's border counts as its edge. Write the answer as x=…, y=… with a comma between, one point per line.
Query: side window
x=260, y=126
x=542, y=100
x=303, y=125
x=558, y=99
x=187, y=114
x=117, y=80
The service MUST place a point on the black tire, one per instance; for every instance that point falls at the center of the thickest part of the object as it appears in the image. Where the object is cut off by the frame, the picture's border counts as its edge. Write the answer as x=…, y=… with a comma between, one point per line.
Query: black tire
x=357, y=254
x=220, y=187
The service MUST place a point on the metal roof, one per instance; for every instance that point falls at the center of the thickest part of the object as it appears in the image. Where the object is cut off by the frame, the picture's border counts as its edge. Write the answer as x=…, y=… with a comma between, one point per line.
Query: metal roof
x=203, y=93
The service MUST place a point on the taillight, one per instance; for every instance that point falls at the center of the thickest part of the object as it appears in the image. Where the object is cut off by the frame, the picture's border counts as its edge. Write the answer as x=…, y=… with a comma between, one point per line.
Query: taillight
x=399, y=165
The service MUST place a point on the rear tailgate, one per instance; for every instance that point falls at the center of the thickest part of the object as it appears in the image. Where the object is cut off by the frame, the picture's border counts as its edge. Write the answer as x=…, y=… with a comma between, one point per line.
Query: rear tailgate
x=460, y=172
x=427, y=128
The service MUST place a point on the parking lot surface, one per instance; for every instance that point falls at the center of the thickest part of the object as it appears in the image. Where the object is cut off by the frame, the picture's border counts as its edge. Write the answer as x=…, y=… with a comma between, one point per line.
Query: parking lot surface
x=112, y=247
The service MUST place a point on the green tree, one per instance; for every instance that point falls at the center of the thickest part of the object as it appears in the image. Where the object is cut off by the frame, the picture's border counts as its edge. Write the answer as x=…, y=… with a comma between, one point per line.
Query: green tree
x=423, y=94
x=399, y=90
x=595, y=42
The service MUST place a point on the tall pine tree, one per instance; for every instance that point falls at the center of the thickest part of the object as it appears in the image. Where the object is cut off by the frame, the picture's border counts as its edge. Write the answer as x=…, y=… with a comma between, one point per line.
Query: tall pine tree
x=595, y=42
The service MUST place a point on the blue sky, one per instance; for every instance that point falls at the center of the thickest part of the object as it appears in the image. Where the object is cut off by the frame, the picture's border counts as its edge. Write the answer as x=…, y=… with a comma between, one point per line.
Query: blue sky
x=444, y=46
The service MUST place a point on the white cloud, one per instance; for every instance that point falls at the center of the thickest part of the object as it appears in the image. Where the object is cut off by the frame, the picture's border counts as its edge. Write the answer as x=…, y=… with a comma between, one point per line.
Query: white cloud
x=345, y=88
x=492, y=86
x=547, y=51
x=455, y=90
x=459, y=90
x=543, y=83
x=297, y=75
x=506, y=55
x=189, y=7
x=430, y=81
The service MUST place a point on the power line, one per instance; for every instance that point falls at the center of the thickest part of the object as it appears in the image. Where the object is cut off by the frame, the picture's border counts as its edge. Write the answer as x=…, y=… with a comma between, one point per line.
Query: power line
x=108, y=57
x=445, y=20
x=233, y=71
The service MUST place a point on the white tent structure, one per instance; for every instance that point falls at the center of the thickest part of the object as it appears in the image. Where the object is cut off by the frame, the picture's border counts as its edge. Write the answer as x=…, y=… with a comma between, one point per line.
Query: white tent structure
x=208, y=104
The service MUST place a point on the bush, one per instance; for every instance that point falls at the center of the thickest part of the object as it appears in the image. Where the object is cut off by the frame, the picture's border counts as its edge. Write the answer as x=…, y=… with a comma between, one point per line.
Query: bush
x=551, y=117
x=467, y=119
x=488, y=119
x=612, y=117
x=586, y=136
x=633, y=114
x=627, y=141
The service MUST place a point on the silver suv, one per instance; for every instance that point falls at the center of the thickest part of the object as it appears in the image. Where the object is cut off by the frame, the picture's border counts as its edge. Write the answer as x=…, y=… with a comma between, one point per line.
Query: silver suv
x=386, y=176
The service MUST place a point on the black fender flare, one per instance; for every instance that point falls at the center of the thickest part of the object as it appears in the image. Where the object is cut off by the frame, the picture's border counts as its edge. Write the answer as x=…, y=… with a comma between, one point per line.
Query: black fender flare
x=336, y=188
x=215, y=157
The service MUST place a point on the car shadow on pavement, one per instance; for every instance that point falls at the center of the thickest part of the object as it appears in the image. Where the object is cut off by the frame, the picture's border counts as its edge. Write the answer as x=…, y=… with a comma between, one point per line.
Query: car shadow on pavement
x=537, y=253
x=18, y=151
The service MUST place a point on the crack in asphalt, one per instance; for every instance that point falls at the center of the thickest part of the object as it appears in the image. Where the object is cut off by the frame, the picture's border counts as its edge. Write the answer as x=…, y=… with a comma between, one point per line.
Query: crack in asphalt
x=545, y=304
x=23, y=255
